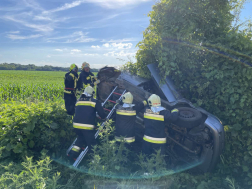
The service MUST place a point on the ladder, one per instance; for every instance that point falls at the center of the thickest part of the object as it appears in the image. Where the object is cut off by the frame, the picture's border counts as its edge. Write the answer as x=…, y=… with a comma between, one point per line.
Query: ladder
x=84, y=152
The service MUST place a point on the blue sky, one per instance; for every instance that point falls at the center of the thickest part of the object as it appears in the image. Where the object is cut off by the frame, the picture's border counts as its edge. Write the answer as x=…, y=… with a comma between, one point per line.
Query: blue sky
x=61, y=32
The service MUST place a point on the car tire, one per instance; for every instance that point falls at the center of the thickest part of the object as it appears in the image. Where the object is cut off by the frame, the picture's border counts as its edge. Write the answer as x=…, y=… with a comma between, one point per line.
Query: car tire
x=188, y=117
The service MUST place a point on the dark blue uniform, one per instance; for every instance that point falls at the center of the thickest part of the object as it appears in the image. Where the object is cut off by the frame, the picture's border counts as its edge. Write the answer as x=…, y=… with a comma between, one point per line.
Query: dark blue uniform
x=84, y=122
x=71, y=79
x=154, y=135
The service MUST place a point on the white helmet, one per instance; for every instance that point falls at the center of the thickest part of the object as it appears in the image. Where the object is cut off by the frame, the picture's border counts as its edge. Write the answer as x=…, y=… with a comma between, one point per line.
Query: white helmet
x=127, y=98
x=89, y=91
x=154, y=100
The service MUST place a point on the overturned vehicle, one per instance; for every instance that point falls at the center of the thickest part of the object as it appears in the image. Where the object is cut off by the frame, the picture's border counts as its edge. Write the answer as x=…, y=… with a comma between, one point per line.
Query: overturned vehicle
x=195, y=140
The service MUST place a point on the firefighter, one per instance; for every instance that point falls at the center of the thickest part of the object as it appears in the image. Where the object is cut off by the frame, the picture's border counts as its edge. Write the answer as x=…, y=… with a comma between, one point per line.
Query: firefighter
x=84, y=121
x=86, y=77
x=71, y=79
x=125, y=119
x=154, y=121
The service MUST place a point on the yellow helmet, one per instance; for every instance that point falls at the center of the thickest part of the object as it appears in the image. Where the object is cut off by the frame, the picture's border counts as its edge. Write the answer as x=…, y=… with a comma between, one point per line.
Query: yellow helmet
x=85, y=65
x=154, y=100
x=73, y=66
x=89, y=90
x=127, y=98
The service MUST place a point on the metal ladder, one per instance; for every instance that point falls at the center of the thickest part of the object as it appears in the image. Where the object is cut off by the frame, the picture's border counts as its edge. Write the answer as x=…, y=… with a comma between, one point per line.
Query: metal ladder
x=84, y=152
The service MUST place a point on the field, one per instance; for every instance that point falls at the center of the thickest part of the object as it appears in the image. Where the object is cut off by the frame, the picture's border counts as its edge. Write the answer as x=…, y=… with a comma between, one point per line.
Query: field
x=31, y=85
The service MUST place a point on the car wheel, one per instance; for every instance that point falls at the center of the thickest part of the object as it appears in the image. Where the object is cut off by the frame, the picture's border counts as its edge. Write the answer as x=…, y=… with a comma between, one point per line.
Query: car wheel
x=188, y=117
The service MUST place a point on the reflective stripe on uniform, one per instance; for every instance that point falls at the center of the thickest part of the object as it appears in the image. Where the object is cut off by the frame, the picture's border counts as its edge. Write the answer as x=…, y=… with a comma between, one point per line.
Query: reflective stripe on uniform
x=125, y=112
x=128, y=139
x=75, y=82
x=86, y=103
x=174, y=110
x=76, y=148
x=68, y=92
x=72, y=75
x=154, y=140
x=83, y=126
x=154, y=116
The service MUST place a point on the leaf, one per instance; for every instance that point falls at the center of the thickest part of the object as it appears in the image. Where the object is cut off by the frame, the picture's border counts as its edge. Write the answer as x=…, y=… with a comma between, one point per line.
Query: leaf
x=31, y=144
x=54, y=125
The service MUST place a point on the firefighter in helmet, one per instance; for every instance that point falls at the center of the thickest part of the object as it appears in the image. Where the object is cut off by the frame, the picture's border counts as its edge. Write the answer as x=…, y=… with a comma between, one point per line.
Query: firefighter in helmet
x=84, y=121
x=71, y=79
x=154, y=120
x=125, y=119
x=86, y=77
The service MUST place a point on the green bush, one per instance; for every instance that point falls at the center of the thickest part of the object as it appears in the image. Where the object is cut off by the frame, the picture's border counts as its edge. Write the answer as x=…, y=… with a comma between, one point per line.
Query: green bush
x=30, y=175
x=27, y=129
x=195, y=43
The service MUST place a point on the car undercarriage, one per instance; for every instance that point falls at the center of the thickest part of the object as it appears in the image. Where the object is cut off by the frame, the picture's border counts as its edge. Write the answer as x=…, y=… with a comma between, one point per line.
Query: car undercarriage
x=195, y=140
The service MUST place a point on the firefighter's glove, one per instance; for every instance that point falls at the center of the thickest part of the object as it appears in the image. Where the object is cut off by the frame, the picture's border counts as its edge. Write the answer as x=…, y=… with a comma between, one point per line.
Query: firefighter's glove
x=97, y=82
x=97, y=115
x=119, y=102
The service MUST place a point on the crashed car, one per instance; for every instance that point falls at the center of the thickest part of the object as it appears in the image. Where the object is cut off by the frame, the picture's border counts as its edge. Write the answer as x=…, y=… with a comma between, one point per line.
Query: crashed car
x=196, y=138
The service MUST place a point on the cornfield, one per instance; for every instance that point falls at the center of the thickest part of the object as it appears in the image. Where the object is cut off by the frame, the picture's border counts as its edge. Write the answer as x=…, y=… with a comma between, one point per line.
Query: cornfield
x=31, y=85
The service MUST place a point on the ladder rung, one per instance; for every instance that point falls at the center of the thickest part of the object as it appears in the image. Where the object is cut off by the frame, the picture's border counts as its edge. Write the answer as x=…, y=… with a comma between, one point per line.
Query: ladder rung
x=117, y=93
x=112, y=101
x=106, y=109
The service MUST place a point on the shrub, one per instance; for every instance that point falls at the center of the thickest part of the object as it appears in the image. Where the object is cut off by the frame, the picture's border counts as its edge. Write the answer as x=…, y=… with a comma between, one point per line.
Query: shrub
x=32, y=175
x=27, y=129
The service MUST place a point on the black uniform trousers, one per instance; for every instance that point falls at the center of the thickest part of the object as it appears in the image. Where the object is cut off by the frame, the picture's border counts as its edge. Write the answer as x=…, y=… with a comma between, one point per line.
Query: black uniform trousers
x=150, y=148
x=70, y=101
x=85, y=137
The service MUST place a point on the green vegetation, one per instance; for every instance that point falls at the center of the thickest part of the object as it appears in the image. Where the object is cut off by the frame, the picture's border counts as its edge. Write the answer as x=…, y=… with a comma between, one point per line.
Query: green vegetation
x=30, y=85
x=198, y=45
x=32, y=67
x=208, y=55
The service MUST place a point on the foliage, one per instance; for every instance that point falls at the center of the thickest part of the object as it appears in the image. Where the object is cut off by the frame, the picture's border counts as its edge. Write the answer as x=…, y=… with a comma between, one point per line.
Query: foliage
x=109, y=158
x=195, y=43
x=32, y=67
x=153, y=165
x=32, y=175
x=27, y=129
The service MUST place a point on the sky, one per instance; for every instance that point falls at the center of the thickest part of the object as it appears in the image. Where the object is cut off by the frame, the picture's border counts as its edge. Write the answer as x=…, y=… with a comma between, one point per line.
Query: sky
x=62, y=32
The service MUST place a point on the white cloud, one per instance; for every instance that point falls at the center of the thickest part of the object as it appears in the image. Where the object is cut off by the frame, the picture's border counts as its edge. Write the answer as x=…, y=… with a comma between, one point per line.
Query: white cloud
x=114, y=4
x=14, y=37
x=66, y=6
x=118, y=45
x=48, y=56
x=122, y=45
x=88, y=54
x=59, y=50
x=42, y=28
x=121, y=53
x=33, y=4
x=42, y=18
x=95, y=47
x=76, y=50
x=76, y=37
x=110, y=4
x=106, y=45
x=119, y=40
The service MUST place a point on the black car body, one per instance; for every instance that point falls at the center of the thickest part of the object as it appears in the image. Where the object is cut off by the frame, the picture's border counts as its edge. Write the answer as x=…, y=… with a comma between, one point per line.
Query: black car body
x=196, y=138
